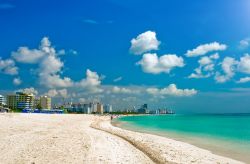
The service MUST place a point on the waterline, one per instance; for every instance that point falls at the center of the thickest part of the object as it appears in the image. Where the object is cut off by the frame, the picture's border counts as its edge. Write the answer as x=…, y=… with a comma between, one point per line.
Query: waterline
x=227, y=135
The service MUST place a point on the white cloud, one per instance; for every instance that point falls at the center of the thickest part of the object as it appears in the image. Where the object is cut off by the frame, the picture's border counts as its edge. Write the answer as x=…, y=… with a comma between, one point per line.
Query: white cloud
x=63, y=93
x=151, y=63
x=51, y=93
x=117, y=79
x=17, y=81
x=57, y=93
x=244, y=80
x=50, y=65
x=26, y=55
x=205, y=61
x=198, y=74
x=30, y=90
x=214, y=56
x=8, y=67
x=124, y=90
x=91, y=82
x=171, y=90
x=52, y=81
x=206, y=48
x=144, y=42
x=244, y=64
x=206, y=67
x=245, y=43
x=229, y=67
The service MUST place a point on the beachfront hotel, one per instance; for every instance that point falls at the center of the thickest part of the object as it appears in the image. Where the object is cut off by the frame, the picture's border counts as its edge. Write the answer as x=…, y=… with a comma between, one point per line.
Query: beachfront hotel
x=2, y=100
x=99, y=108
x=20, y=100
x=107, y=108
x=45, y=102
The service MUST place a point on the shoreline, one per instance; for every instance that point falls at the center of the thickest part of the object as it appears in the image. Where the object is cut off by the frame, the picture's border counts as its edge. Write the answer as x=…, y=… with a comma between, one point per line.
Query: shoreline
x=57, y=138
x=218, y=146
x=162, y=149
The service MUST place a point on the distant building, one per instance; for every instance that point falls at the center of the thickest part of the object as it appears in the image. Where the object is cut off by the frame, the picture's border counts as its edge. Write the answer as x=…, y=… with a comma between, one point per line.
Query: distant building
x=20, y=100
x=36, y=103
x=79, y=108
x=107, y=108
x=93, y=107
x=143, y=109
x=99, y=108
x=45, y=102
x=86, y=109
x=163, y=111
x=2, y=100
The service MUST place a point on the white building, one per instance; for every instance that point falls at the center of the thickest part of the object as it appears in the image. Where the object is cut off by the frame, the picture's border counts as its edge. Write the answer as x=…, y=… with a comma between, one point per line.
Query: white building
x=93, y=107
x=107, y=108
x=99, y=108
x=20, y=100
x=2, y=100
x=45, y=102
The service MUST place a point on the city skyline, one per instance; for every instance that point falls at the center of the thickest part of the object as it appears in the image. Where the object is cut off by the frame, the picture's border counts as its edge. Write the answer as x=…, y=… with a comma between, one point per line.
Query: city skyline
x=191, y=59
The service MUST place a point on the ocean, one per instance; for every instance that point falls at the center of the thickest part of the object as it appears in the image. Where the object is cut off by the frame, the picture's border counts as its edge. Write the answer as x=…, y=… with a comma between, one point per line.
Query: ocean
x=223, y=134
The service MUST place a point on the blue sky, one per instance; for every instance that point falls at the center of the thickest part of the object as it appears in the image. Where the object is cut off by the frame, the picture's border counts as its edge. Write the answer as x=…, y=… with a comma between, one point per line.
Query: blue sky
x=83, y=50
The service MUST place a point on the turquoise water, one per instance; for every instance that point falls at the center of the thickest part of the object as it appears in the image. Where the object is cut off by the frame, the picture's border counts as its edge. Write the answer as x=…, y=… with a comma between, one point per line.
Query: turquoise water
x=224, y=134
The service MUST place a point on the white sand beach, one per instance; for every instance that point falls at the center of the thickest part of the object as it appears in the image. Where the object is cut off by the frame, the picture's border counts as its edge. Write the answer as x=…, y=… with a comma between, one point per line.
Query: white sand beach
x=43, y=138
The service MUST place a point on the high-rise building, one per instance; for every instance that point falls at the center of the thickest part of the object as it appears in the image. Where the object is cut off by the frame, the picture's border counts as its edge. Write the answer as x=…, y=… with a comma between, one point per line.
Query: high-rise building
x=93, y=107
x=45, y=102
x=107, y=108
x=2, y=100
x=20, y=100
x=86, y=108
x=143, y=109
x=99, y=108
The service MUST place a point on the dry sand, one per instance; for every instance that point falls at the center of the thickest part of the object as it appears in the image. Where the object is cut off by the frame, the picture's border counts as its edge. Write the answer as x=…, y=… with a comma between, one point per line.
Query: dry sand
x=42, y=138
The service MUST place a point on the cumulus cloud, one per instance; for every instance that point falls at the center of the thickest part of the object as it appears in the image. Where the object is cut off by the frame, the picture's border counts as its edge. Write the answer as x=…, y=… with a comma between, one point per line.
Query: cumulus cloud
x=47, y=58
x=8, y=67
x=17, y=81
x=206, y=48
x=30, y=90
x=244, y=44
x=244, y=80
x=57, y=93
x=244, y=64
x=144, y=42
x=151, y=63
x=124, y=90
x=171, y=90
x=55, y=81
x=206, y=67
x=228, y=65
x=26, y=55
x=51, y=93
x=91, y=82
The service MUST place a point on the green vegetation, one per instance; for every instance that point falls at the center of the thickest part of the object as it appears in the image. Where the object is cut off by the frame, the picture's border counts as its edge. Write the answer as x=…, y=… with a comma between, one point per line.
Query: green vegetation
x=16, y=110
x=123, y=113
